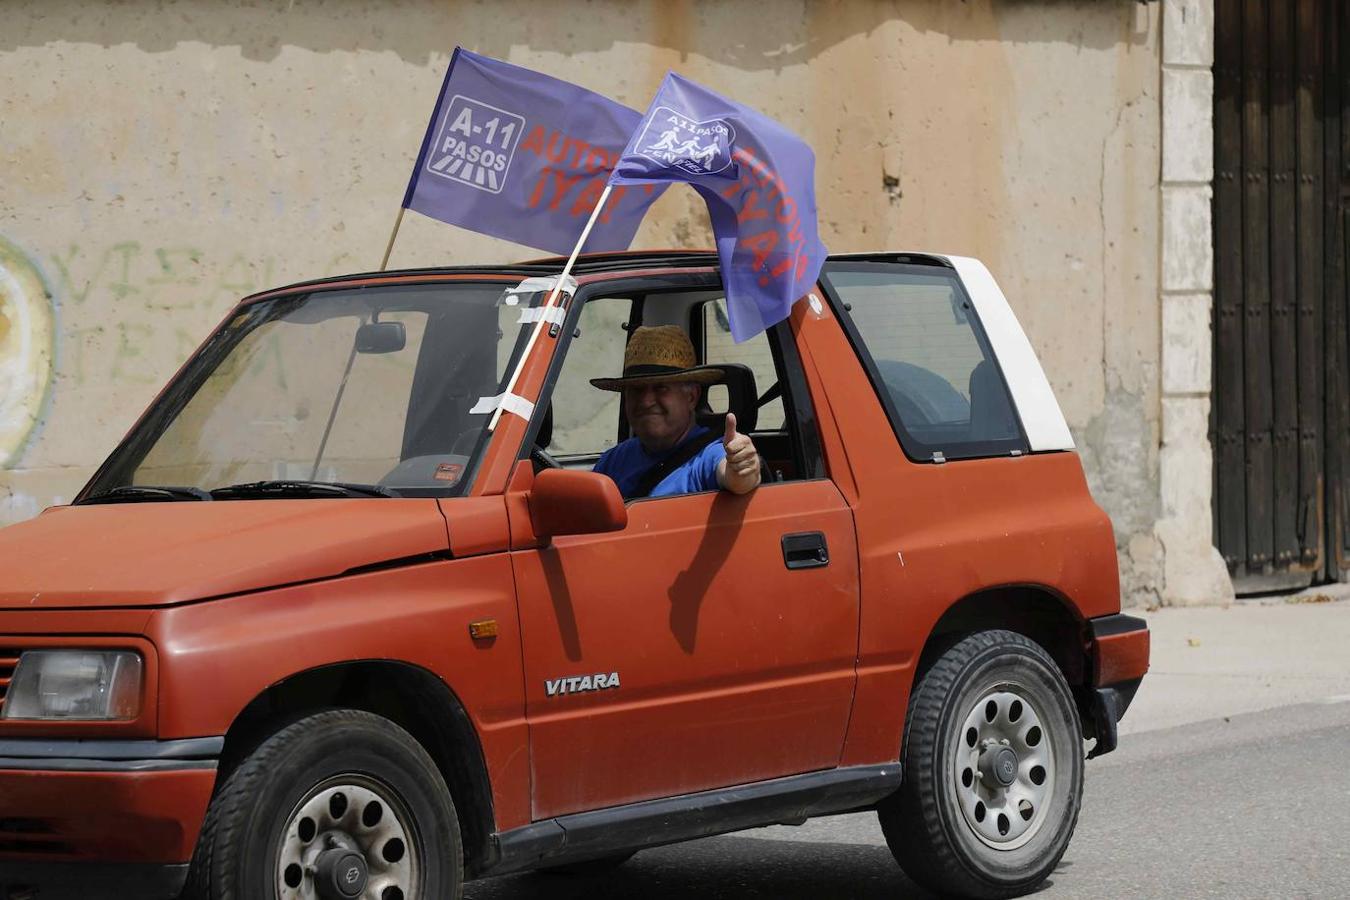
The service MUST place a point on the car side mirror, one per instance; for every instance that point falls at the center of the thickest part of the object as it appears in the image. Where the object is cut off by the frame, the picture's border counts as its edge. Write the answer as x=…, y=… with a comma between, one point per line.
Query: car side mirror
x=566, y=502
x=381, y=337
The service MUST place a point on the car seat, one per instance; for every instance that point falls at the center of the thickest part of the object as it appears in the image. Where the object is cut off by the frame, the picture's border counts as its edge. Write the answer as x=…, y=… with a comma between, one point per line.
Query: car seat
x=991, y=415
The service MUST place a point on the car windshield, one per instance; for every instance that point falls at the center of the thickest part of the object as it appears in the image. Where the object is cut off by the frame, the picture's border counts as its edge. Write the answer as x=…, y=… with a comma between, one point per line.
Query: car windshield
x=377, y=391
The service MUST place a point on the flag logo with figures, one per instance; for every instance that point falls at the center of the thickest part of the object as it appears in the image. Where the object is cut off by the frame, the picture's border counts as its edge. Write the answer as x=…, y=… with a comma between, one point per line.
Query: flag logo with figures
x=476, y=144
x=678, y=141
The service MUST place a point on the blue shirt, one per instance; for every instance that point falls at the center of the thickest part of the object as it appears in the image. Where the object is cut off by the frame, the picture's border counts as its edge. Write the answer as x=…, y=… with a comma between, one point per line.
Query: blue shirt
x=627, y=462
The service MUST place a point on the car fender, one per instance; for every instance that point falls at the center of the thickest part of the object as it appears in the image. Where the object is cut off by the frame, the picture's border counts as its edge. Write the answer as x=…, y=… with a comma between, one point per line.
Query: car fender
x=216, y=657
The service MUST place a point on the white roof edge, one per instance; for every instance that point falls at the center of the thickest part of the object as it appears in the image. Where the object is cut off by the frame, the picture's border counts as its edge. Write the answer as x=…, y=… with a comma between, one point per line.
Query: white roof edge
x=1031, y=392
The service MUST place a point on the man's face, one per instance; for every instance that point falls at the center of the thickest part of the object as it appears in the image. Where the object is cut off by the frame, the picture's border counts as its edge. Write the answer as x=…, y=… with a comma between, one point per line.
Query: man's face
x=660, y=414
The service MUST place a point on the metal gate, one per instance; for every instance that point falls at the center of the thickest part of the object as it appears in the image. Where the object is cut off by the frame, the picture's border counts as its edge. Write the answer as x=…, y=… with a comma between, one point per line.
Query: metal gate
x=1281, y=412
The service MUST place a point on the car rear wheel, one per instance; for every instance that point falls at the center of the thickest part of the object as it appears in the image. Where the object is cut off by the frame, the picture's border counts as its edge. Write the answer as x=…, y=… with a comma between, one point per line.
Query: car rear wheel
x=340, y=805
x=993, y=770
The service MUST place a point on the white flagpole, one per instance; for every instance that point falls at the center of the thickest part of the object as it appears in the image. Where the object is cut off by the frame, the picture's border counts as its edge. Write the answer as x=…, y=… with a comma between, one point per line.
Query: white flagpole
x=393, y=234
x=552, y=298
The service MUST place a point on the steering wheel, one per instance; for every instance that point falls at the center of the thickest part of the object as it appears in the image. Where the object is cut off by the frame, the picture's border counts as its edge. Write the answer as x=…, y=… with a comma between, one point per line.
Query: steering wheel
x=545, y=459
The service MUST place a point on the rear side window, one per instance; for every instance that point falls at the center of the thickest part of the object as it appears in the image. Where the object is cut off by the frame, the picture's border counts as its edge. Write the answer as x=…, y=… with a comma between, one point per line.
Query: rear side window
x=917, y=333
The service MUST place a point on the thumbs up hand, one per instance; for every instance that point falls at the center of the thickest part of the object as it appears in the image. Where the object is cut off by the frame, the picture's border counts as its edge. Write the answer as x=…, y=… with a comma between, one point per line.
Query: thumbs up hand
x=739, y=472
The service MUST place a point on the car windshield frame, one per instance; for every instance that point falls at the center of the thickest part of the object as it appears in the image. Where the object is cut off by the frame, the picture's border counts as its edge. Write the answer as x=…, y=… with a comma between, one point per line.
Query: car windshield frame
x=119, y=468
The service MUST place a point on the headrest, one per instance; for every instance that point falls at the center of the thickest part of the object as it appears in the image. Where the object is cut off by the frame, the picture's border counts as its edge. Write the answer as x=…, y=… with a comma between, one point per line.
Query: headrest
x=991, y=416
x=741, y=400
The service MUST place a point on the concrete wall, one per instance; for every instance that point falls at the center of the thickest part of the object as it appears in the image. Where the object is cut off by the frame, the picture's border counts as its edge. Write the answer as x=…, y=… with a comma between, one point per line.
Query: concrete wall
x=159, y=160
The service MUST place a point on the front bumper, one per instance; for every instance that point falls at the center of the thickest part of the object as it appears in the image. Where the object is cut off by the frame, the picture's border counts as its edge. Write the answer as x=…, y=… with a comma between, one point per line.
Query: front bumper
x=93, y=819
x=1119, y=648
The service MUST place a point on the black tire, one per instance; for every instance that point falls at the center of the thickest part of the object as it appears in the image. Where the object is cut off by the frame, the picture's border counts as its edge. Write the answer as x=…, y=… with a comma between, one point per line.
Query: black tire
x=238, y=853
x=931, y=824
x=590, y=868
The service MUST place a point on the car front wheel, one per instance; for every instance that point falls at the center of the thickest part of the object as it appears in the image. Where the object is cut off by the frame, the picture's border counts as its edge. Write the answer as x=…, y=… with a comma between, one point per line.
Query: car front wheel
x=340, y=805
x=993, y=770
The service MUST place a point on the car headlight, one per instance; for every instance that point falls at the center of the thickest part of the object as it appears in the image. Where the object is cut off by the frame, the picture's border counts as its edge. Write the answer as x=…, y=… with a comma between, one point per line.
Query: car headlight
x=75, y=684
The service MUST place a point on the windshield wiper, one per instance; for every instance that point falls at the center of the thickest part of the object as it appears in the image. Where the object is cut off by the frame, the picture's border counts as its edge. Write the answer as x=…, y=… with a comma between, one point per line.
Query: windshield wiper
x=254, y=490
x=144, y=493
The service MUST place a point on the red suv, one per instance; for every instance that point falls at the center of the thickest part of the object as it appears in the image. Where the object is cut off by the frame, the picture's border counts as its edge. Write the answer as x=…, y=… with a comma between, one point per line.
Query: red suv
x=316, y=630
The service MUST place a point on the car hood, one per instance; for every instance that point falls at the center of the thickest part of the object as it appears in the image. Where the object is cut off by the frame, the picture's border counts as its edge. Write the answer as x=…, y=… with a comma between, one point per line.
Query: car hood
x=153, y=554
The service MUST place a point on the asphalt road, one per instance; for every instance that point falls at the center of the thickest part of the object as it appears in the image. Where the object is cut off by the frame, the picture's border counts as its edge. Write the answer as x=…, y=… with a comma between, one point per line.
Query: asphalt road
x=1255, y=805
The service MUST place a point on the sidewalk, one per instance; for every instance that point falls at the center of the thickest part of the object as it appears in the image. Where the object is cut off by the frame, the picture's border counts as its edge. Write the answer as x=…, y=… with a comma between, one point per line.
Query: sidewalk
x=1210, y=662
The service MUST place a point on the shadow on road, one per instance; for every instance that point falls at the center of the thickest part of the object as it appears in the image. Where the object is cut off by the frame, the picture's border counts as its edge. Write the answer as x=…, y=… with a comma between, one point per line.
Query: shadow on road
x=726, y=868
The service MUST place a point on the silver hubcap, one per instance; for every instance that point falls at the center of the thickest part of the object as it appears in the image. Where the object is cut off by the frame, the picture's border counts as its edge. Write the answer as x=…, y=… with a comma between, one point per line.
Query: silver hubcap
x=348, y=839
x=1004, y=769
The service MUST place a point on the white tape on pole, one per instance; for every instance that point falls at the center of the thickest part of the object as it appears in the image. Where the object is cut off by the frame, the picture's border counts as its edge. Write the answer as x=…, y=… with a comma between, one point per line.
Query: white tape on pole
x=552, y=314
x=511, y=296
x=511, y=403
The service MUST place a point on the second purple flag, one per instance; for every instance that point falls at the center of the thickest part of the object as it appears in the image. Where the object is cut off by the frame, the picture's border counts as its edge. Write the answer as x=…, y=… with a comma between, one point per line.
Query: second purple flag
x=758, y=180
x=522, y=156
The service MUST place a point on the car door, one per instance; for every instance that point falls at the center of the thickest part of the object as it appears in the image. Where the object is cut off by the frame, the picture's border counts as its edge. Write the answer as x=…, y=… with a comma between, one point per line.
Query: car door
x=692, y=656
x=709, y=643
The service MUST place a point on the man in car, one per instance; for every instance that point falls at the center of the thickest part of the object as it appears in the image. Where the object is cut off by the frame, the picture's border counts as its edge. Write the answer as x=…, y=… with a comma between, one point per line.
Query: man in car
x=669, y=452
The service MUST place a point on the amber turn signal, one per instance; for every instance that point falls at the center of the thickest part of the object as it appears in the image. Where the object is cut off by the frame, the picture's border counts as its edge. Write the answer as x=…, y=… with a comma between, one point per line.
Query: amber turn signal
x=483, y=629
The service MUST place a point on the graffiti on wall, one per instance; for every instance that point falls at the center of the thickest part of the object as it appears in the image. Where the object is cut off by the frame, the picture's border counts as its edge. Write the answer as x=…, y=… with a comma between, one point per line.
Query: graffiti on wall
x=134, y=312
x=130, y=313
x=27, y=335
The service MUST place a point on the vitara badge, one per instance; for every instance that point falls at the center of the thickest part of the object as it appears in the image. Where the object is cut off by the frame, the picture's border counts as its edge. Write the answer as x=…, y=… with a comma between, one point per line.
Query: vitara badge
x=579, y=683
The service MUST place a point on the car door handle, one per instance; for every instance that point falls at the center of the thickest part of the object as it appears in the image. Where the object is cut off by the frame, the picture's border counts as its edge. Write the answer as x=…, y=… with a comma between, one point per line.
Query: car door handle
x=805, y=550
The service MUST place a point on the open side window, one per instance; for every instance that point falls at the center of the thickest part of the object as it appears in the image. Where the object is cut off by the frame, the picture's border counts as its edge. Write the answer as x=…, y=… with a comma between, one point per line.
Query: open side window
x=583, y=422
x=765, y=386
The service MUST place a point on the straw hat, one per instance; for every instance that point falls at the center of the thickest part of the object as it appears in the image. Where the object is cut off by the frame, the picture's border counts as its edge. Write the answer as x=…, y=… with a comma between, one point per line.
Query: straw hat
x=656, y=354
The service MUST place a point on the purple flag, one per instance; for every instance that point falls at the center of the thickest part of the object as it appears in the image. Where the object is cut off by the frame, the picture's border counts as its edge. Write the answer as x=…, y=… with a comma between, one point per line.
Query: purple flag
x=522, y=156
x=758, y=180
